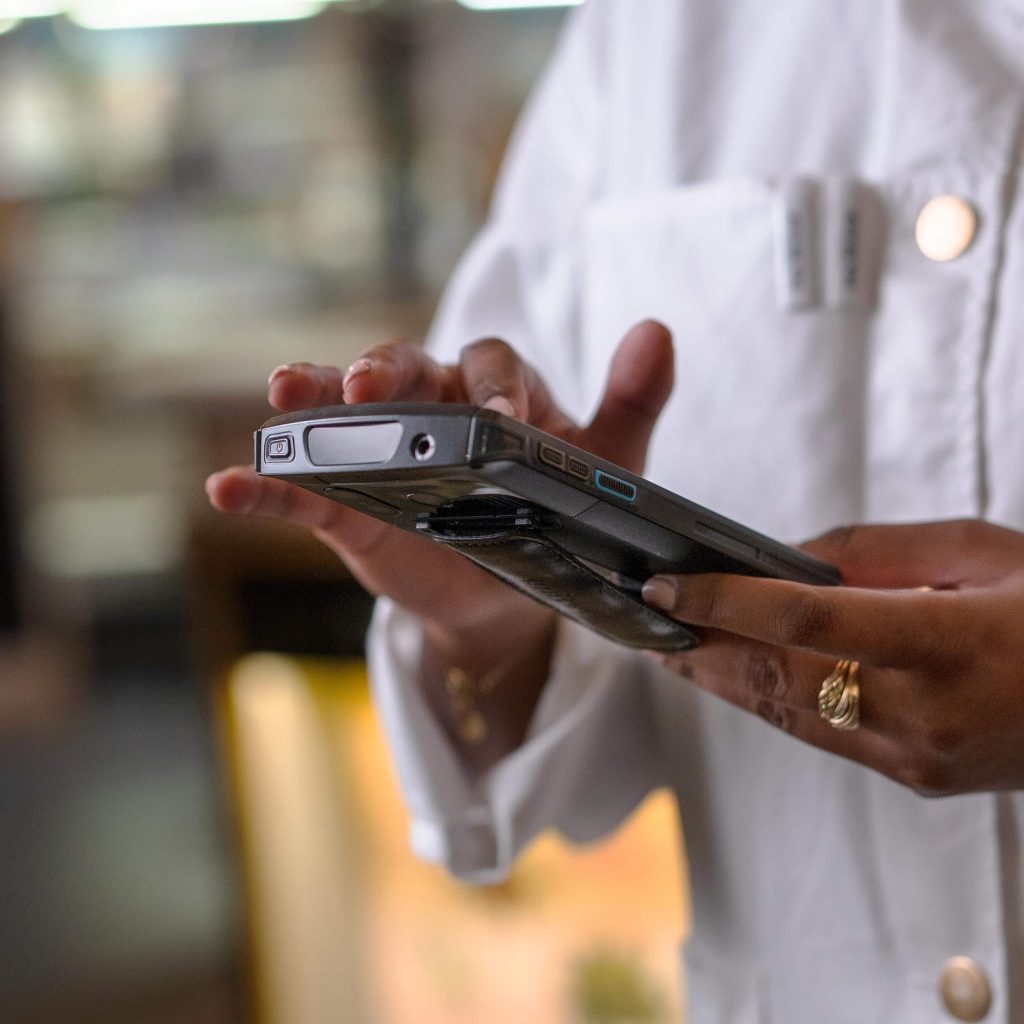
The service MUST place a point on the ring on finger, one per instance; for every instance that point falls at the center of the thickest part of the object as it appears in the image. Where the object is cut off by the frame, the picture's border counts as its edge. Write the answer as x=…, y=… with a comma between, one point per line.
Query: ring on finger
x=839, y=696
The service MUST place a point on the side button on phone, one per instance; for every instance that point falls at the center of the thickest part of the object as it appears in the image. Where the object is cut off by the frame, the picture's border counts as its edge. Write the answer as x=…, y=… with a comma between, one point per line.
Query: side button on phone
x=278, y=448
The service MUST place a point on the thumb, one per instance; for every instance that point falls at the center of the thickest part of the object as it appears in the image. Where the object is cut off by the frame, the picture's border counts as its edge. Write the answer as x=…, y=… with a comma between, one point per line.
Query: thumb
x=640, y=380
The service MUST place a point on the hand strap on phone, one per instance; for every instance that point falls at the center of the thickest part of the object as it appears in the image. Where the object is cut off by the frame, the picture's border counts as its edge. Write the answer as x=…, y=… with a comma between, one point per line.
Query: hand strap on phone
x=535, y=565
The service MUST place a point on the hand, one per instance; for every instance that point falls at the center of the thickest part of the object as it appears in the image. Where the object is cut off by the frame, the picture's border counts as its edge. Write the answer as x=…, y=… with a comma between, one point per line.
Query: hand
x=942, y=671
x=465, y=611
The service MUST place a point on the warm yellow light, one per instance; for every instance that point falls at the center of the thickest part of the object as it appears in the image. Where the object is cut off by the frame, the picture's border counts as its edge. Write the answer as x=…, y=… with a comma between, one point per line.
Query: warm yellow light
x=114, y=14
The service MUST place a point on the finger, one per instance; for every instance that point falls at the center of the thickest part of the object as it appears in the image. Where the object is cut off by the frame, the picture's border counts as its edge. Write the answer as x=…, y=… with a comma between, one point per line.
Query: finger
x=496, y=376
x=898, y=629
x=941, y=555
x=399, y=371
x=775, y=685
x=443, y=584
x=242, y=491
x=752, y=674
x=304, y=386
x=640, y=380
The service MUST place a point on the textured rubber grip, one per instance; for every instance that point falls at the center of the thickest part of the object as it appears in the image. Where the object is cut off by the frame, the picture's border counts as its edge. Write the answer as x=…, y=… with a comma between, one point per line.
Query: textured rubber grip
x=539, y=568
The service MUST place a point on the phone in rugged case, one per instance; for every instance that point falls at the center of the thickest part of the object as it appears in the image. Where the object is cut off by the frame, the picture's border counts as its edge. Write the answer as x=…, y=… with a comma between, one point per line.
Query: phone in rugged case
x=573, y=531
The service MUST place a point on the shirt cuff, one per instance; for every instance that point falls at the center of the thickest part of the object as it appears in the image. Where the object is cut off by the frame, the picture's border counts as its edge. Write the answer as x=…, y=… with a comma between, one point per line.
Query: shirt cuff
x=475, y=826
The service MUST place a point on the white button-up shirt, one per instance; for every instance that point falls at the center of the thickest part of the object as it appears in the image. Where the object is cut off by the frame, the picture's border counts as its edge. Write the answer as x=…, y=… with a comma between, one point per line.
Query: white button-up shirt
x=653, y=176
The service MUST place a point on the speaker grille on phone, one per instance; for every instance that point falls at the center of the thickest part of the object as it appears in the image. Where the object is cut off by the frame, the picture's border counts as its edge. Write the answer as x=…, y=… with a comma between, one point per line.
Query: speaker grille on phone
x=613, y=485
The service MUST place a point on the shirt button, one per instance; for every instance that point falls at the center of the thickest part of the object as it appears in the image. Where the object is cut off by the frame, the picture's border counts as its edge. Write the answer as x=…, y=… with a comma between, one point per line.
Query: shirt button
x=965, y=990
x=946, y=226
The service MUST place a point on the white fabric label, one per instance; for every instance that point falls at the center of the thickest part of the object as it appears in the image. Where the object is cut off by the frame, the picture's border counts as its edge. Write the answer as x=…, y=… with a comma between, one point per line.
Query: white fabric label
x=851, y=244
x=796, y=261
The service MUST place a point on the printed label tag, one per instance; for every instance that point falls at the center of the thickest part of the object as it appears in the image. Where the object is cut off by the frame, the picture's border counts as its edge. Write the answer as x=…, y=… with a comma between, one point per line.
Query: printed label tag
x=795, y=228
x=851, y=244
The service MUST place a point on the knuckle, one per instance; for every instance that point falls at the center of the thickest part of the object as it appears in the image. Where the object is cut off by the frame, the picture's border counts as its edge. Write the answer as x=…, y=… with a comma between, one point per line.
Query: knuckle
x=942, y=738
x=935, y=745
x=806, y=619
x=774, y=714
x=927, y=776
x=766, y=676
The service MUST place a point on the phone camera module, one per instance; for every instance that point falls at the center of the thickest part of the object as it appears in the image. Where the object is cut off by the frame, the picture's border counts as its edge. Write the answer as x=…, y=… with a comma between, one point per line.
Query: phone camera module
x=423, y=447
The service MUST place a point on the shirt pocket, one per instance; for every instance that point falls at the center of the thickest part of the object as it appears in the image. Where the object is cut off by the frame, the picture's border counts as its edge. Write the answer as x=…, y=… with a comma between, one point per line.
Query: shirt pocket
x=797, y=420
x=765, y=421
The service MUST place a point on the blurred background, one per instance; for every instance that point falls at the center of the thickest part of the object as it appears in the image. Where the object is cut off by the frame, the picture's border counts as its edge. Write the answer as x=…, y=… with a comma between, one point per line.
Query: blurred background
x=191, y=193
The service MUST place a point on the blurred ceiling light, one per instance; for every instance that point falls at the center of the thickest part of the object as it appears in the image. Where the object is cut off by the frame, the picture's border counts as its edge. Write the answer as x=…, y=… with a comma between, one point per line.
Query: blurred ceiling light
x=12, y=10
x=6, y=24
x=114, y=14
x=509, y=5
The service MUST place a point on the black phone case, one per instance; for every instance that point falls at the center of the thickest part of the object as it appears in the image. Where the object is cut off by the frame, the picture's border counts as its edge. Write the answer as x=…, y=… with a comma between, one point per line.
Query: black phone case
x=572, y=531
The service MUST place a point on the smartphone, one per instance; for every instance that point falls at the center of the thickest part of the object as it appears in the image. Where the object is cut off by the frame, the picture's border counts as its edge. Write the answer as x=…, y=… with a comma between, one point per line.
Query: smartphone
x=571, y=529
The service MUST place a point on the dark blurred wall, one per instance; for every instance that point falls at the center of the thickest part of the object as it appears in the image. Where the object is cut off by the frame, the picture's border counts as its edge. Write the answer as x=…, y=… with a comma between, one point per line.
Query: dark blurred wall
x=10, y=605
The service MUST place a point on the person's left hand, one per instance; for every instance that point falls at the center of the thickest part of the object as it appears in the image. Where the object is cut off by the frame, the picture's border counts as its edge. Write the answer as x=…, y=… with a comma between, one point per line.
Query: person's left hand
x=942, y=671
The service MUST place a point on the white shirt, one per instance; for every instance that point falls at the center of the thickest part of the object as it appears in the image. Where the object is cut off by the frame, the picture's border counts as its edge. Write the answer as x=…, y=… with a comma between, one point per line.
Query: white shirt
x=646, y=180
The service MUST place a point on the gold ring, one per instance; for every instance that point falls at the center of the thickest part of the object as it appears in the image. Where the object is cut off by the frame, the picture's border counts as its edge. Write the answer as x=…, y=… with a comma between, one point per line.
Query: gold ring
x=839, y=696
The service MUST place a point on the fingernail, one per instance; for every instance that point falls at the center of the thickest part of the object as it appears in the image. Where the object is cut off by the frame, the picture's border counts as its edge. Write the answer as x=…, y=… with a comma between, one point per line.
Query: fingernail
x=498, y=403
x=357, y=369
x=277, y=371
x=661, y=592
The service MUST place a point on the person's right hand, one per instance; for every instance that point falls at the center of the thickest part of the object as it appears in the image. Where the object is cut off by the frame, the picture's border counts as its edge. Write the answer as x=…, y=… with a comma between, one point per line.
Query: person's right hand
x=448, y=592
